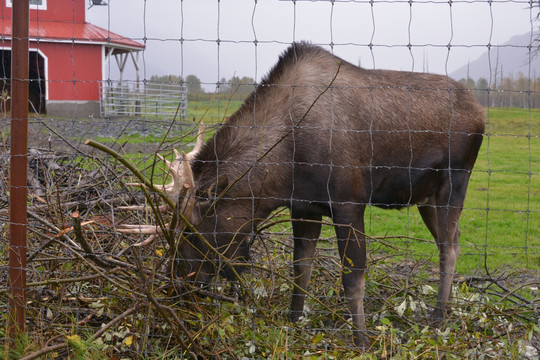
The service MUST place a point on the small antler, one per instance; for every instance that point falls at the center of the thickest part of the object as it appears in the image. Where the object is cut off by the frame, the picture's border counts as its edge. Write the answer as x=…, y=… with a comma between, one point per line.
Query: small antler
x=181, y=182
x=180, y=169
x=139, y=229
x=175, y=168
x=198, y=145
x=151, y=230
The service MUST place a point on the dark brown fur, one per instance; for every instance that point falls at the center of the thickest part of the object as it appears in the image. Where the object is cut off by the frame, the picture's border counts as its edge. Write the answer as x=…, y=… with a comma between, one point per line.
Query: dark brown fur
x=326, y=138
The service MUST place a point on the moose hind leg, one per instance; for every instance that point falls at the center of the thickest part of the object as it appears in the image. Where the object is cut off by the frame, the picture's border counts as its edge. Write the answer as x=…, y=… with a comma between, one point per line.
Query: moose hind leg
x=448, y=244
x=428, y=211
x=306, y=234
x=449, y=208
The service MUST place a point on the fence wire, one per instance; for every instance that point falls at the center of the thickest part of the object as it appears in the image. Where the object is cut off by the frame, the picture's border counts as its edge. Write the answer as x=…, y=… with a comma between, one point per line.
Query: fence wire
x=97, y=291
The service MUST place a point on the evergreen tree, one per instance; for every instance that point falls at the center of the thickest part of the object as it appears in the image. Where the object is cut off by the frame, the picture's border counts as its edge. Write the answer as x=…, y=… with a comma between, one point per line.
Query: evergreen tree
x=193, y=84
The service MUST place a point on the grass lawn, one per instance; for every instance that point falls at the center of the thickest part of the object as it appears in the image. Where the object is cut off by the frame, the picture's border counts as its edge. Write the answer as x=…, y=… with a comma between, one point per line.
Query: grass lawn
x=212, y=111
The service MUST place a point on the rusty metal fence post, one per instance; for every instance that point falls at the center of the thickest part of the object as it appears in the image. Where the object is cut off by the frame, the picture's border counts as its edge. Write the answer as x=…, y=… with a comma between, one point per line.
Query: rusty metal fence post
x=18, y=168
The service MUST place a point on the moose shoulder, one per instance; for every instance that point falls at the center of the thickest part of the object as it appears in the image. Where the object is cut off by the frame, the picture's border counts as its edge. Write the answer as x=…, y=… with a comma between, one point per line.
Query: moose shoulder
x=326, y=138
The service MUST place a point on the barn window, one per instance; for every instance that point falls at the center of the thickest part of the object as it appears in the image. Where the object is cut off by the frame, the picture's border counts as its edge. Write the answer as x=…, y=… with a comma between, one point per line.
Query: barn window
x=34, y=4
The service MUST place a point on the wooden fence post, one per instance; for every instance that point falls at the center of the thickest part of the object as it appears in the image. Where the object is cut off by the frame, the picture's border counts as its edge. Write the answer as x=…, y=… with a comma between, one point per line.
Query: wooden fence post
x=18, y=168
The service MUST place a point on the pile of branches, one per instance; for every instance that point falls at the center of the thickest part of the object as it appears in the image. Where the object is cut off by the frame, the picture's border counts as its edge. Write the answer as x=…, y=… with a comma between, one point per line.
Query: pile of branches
x=97, y=292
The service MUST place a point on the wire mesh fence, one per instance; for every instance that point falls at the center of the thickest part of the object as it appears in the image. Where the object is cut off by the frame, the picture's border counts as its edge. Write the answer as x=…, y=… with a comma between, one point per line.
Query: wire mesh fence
x=112, y=254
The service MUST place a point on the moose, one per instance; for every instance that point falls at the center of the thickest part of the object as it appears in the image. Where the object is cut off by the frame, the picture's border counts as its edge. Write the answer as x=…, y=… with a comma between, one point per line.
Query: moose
x=323, y=137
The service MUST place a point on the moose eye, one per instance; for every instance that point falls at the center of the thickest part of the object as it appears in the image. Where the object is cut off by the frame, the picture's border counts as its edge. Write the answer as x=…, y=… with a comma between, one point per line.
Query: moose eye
x=204, y=195
x=201, y=195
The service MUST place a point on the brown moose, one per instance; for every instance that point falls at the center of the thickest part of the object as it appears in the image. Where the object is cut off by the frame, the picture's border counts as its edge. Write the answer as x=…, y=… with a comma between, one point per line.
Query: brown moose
x=323, y=137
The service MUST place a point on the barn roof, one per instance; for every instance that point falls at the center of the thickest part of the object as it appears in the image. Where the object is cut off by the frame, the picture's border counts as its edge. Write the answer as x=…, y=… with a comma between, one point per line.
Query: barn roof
x=72, y=32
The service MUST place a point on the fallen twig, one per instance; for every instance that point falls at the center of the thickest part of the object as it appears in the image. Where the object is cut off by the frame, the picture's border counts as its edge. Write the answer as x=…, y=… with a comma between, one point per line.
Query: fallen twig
x=104, y=328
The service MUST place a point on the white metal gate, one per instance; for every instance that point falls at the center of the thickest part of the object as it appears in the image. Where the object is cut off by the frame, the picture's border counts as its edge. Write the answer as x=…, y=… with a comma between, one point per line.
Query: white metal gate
x=143, y=99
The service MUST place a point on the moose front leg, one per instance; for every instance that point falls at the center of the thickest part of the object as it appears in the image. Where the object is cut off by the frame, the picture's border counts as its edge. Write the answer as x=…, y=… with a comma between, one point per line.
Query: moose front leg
x=306, y=234
x=352, y=250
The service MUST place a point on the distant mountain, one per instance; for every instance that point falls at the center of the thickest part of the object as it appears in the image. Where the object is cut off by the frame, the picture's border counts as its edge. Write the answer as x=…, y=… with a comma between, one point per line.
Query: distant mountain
x=513, y=57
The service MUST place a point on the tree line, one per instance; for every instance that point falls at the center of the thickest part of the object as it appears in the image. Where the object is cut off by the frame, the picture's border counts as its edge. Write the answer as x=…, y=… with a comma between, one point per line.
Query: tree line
x=506, y=91
x=235, y=87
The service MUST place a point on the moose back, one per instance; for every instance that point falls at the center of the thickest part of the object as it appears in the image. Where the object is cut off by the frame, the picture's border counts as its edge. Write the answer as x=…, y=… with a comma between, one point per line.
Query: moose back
x=323, y=137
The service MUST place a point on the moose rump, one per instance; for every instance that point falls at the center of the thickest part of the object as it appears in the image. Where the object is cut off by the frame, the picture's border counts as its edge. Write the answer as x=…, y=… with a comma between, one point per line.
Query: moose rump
x=326, y=138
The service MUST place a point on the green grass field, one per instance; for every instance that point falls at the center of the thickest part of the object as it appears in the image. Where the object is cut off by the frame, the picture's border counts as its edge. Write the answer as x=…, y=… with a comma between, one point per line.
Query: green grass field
x=212, y=111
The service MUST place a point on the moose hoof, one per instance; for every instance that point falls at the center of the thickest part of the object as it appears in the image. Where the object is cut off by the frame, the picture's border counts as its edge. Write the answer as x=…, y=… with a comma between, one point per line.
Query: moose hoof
x=361, y=340
x=294, y=315
x=437, y=317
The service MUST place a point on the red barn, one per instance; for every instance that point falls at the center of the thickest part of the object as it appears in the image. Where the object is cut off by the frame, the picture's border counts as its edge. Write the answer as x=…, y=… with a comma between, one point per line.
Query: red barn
x=68, y=57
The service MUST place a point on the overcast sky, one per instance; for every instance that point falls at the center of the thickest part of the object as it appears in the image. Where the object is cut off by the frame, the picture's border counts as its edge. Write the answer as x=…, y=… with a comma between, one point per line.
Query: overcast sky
x=253, y=33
